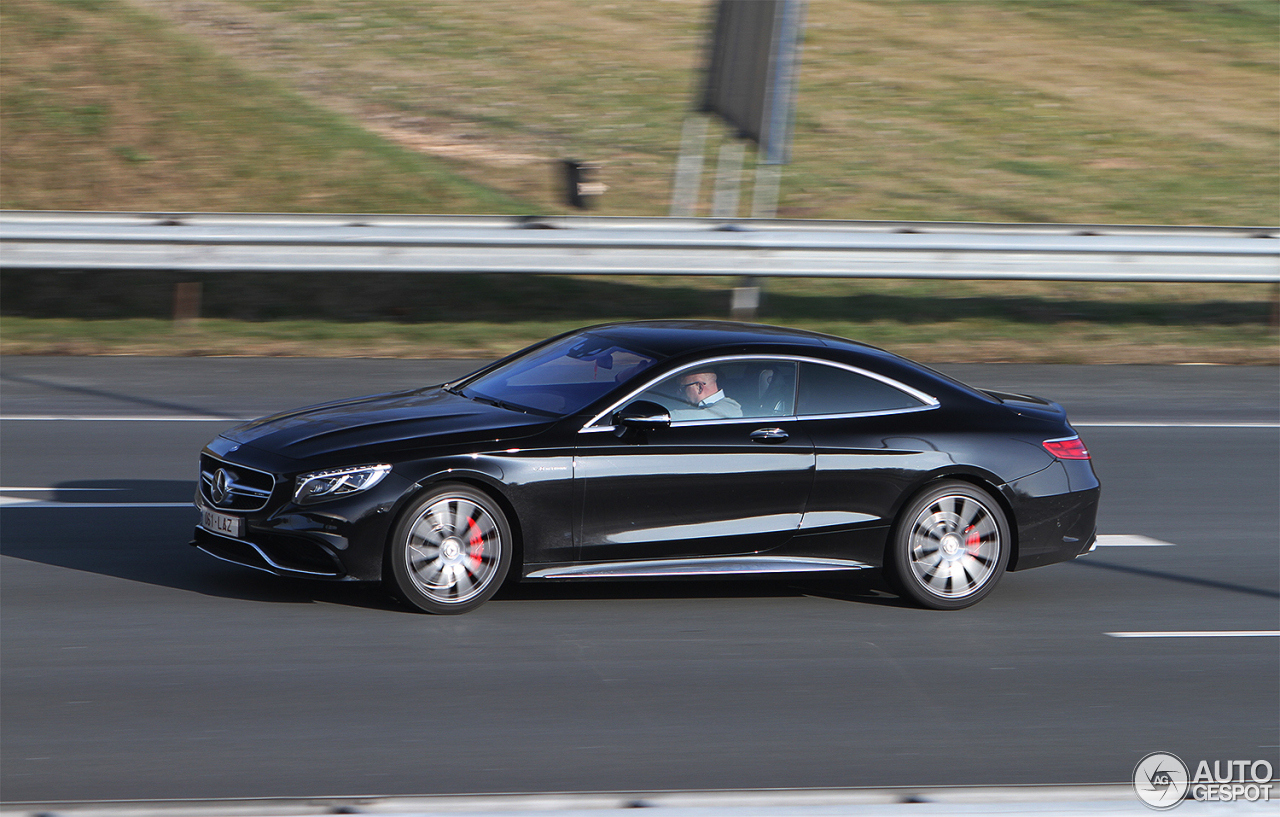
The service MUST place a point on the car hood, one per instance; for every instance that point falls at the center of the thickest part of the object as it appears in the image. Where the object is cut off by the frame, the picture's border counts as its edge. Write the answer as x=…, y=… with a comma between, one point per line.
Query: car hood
x=399, y=421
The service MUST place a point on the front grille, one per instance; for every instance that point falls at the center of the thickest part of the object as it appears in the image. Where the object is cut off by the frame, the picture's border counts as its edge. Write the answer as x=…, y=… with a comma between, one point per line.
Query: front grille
x=232, y=487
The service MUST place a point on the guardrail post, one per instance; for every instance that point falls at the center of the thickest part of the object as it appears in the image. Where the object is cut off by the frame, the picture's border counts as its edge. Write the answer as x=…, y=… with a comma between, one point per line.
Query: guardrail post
x=745, y=300
x=186, y=304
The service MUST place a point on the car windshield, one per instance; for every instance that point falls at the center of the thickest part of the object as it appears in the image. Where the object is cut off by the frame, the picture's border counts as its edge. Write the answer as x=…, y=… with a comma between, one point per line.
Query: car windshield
x=560, y=378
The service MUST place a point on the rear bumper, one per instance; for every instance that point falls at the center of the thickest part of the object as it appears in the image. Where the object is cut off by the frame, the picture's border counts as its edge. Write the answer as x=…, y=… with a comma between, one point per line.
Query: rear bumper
x=1056, y=529
x=1054, y=523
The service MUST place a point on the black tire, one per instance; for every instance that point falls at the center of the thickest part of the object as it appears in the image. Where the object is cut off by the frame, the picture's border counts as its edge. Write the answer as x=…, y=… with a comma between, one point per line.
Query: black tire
x=449, y=552
x=950, y=546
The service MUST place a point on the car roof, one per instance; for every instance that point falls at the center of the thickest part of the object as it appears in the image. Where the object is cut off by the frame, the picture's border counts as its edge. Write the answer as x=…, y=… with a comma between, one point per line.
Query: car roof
x=671, y=337
x=678, y=338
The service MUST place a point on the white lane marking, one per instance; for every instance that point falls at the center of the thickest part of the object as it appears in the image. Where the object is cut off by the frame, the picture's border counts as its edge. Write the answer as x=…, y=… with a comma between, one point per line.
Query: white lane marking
x=91, y=418
x=13, y=490
x=1130, y=540
x=18, y=502
x=1199, y=634
x=1173, y=425
x=23, y=502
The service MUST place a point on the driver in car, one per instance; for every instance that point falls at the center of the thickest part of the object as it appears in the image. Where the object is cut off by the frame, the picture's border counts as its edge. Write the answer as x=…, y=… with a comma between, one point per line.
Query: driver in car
x=708, y=399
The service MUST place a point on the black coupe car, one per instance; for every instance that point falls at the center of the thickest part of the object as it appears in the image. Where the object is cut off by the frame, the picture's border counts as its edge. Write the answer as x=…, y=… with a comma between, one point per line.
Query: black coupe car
x=657, y=449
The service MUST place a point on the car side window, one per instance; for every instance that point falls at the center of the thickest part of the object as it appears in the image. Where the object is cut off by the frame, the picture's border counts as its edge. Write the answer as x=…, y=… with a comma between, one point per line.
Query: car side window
x=726, y=390
x=832, y=390
x=769, y=389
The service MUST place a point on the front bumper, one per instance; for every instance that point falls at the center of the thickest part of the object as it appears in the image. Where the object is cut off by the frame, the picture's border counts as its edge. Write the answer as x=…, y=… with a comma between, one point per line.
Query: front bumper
x=340, y=540
x=294, y=556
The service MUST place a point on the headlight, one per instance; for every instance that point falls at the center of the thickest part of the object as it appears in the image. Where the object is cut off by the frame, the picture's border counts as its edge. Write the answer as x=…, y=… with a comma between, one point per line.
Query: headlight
x=321, y=486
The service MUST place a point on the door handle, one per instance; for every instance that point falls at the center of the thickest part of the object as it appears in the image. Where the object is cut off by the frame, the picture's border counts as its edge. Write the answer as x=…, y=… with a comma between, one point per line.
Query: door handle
x=769, y=435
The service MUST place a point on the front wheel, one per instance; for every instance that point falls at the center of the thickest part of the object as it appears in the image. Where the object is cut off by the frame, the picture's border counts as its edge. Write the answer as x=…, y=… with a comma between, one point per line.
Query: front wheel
x=950, y=546
x=450, y=551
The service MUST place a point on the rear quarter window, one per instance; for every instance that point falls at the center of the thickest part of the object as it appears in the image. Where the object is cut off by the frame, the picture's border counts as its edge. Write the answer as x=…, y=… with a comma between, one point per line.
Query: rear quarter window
x=830, y=390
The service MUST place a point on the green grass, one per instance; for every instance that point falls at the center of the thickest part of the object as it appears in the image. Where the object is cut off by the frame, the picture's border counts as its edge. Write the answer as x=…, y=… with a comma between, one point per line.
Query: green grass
x=107, y=107
x=985, y=110
x=964, y=340
x=988, y=110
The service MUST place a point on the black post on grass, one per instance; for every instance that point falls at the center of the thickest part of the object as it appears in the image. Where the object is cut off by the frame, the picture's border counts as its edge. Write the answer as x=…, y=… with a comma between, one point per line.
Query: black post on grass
x=581, y=183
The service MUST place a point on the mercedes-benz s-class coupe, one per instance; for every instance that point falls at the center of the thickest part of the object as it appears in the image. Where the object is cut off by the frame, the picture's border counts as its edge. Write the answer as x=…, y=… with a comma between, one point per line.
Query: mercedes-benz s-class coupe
x=657, y=449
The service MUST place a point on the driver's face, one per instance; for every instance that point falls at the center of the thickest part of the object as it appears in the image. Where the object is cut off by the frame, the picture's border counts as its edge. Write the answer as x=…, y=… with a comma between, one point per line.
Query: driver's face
x=697, y=386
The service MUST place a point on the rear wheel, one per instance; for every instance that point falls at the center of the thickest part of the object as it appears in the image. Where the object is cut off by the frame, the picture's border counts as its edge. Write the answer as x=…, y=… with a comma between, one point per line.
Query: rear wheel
x=950, y=546
x=450, y=551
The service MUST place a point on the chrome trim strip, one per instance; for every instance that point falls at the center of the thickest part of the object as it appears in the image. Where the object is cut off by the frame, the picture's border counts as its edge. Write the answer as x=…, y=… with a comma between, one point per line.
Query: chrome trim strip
x=242, y=466
x=238, y=488
x=857, y=414
x=265, y=557
x=202, y=549
x=835, y=519
x=929, y=400
x=722, y=566
x=786, y=419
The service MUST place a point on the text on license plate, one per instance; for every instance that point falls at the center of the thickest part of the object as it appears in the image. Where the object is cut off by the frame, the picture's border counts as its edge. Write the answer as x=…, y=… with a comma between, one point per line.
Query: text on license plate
x=215, y=522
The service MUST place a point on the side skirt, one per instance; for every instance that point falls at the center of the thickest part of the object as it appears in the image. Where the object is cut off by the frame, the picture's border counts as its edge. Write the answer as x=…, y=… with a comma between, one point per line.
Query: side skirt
x=723, y=566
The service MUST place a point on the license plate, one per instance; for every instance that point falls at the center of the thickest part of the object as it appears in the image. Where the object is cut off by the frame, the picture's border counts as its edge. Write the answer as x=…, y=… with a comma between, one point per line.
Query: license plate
x=221, y=523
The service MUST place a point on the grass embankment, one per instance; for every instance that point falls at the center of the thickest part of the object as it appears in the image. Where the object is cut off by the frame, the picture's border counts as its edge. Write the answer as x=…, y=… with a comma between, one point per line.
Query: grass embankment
x=990, y=110
x=1110, y=111
x=106, y=107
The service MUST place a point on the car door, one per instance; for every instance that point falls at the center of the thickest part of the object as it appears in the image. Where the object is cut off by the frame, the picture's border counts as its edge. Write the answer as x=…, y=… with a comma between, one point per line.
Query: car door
x=705, y=485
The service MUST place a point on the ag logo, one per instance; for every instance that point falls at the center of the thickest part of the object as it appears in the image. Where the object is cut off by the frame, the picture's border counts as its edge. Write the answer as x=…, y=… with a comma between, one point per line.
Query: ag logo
x=1160, y=780
x=220, y=491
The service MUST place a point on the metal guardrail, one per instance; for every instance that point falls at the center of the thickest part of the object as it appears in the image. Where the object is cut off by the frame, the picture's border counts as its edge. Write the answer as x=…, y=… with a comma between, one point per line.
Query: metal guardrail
x=584, y=245
x=1082, y=800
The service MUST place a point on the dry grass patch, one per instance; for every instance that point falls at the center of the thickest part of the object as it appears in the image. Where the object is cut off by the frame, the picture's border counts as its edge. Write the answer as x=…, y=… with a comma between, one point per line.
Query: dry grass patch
x=959, y=341
x=1001, y=110
x=106, y=107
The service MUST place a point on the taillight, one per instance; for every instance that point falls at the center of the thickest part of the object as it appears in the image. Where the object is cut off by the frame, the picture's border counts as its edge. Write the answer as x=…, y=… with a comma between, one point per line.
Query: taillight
x=1067, y=448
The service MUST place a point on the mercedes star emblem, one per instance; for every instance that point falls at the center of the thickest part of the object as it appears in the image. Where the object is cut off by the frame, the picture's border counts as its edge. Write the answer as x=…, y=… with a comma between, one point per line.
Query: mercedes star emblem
x=220, y=492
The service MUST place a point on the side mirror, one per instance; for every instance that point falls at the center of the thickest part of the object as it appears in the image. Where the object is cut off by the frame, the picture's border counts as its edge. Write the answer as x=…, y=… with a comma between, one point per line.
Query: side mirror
x=642, y=415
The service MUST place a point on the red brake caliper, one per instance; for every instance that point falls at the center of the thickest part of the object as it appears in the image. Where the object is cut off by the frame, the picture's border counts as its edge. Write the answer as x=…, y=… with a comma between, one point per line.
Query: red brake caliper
x=476, y=542
x=972, y=540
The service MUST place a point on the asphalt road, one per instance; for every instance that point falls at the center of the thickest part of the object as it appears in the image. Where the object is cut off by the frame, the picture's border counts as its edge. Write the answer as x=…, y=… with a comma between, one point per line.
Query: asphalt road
x=132, y=666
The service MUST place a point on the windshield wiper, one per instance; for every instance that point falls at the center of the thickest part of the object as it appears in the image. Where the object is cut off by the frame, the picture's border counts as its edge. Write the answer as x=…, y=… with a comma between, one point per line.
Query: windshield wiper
x=493, y=401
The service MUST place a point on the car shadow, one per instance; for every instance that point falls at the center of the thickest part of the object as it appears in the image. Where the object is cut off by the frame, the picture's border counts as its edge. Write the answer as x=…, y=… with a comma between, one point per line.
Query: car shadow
x=1198, y=581
x=139, y=530
x=863, y=586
